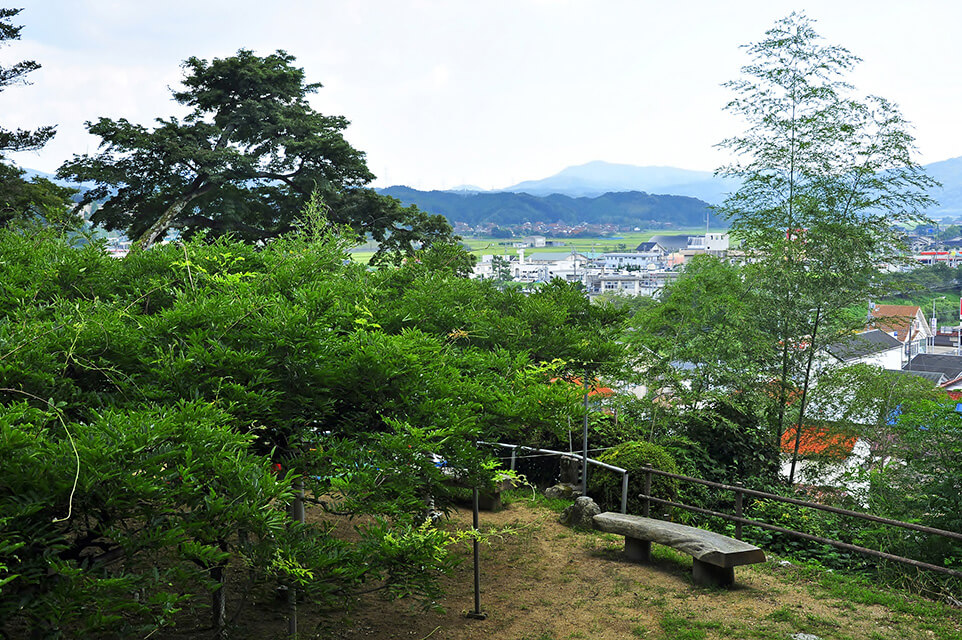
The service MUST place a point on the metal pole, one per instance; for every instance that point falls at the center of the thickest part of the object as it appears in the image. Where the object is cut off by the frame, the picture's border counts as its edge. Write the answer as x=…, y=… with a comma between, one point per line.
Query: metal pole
x=584, y=445
x=646, y=505
x=476, y=614
x=624, y=492
x=297, y=514
x=739, y=497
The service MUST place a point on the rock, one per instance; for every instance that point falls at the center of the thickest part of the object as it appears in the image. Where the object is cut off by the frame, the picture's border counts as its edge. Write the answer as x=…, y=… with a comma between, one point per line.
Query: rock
x=804, y=636
x=563, y=490
x=580, y=514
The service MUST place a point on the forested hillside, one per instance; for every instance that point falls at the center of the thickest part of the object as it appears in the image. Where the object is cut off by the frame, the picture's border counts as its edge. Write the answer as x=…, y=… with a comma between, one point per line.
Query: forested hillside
x=629, y=208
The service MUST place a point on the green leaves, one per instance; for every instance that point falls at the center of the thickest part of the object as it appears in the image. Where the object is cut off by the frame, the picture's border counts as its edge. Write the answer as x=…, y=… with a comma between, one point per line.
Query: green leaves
x=201, y=380
x=19, y=139
x=826, y=175
x=243, y=162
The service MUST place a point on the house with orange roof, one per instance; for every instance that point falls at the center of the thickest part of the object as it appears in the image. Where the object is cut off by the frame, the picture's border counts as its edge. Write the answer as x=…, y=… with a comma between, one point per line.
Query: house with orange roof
x=827, y=456
x=906, y=323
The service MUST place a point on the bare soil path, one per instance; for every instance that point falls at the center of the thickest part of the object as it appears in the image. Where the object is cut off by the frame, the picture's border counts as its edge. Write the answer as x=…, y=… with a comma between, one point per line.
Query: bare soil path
x=547, y=582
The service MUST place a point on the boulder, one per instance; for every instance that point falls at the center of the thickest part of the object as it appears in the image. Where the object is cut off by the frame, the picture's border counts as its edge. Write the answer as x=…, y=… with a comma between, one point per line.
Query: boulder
x=580, y=514
x=563, y=490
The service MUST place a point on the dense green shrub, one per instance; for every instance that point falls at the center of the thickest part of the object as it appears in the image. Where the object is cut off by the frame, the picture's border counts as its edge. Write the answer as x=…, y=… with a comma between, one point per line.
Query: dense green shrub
x=806, y=520
x=171, y=384
x=605, y=485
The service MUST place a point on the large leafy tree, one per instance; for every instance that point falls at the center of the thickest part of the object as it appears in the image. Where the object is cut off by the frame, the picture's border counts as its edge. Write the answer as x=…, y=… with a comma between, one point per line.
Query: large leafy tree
x=826, y=174
x=144, y=403
x=21, y=199
x=242, y=161
x=704, y=356
x=18, y=139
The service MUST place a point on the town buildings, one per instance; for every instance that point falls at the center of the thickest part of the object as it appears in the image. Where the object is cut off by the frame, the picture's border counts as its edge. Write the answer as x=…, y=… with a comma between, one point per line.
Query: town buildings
x=643, y=271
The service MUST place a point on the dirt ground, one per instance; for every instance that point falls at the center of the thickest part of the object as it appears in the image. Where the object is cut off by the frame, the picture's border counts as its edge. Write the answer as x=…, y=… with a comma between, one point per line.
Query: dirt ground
x=548, y=582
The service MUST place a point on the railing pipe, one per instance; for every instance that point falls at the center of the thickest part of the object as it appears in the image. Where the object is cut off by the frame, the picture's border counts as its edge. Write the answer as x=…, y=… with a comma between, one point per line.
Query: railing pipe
x=807, y=536
x=814, y=505
x=646, y=504
x=604, y=465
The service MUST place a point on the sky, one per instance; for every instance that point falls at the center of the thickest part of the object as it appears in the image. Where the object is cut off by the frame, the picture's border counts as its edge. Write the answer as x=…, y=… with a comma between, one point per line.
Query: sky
x=444, y=93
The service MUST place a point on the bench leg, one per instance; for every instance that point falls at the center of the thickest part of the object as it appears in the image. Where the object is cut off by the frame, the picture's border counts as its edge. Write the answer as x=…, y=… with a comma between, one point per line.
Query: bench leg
x=637, y=550
x=710, y=575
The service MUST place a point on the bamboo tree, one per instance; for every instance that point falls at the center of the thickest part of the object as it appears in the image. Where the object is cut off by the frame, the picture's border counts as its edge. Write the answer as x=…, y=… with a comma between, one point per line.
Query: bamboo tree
x=825, y=175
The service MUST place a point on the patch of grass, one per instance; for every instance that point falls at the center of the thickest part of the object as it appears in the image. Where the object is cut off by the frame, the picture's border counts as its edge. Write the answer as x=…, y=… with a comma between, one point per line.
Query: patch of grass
x=685, y=628
x=859, y=590
x=533, y=498
x=621, y=586
x=544, y=635
x=818, y=624
x=639, y=631
x=669, y=555
x=783, y=614
x=610, y=537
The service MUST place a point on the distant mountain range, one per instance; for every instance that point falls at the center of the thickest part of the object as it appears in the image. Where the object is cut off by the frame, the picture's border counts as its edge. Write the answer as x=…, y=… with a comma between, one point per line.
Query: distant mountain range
x=623, y=208
x=591, y=191
x=604, y=192
x=596, y=178
x=949, y=173
x=81, y=188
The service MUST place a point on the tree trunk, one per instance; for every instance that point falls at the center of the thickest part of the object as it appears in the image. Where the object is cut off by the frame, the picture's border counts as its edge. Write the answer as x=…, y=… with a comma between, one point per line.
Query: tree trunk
x=218, y=607
x=297, y=514
x=801, y=407
x=159, y=229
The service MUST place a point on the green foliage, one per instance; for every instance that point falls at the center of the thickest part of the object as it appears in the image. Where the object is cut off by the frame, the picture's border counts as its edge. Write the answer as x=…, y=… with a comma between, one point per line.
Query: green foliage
x=814, y=153
x=703, y=342
x=922, y=481
x=37, y=200
x=242, y=162
x=633, y=456
x=184, y=374
x=826, y=175
x=18, y=140
x=805, y=520
x=159, y=497
x=705, y=356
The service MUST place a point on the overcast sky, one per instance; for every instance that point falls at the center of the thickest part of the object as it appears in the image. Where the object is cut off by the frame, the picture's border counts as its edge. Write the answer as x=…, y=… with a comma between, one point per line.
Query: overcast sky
x=443, y=93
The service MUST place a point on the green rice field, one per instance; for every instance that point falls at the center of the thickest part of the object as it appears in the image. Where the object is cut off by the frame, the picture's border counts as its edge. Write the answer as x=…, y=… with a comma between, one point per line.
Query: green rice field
x=486, y=245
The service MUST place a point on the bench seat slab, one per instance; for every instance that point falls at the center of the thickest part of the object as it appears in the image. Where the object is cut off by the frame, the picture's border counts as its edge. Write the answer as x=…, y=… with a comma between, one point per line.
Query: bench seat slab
x=706, y=547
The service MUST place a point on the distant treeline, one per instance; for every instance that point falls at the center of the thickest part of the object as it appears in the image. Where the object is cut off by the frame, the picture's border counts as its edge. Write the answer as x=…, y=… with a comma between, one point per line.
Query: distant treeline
x=627, y=208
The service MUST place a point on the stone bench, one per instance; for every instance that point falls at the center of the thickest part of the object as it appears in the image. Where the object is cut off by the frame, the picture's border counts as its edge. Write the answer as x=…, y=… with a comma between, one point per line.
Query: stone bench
x=715, y=555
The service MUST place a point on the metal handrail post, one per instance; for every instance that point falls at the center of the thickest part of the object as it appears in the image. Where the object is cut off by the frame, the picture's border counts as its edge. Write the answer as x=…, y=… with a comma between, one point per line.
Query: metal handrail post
x=624, y=492
x=739, y=499
x=646, y=504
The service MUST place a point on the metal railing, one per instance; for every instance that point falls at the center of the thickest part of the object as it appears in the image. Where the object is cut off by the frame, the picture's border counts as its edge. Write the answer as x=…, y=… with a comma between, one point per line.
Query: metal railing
x=568, y=454
x=739, y=519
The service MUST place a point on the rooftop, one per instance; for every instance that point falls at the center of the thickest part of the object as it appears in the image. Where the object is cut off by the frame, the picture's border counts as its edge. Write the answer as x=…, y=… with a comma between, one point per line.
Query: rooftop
x=863, y=344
